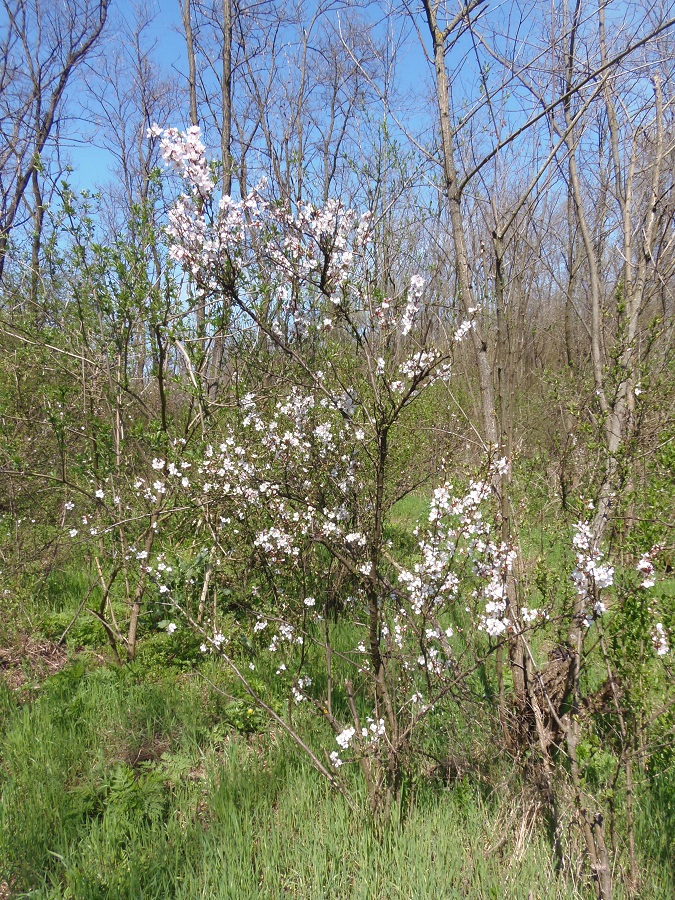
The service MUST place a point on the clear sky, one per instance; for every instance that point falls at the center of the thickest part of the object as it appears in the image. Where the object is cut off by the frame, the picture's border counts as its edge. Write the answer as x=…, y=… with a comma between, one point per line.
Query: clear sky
x=92, y=163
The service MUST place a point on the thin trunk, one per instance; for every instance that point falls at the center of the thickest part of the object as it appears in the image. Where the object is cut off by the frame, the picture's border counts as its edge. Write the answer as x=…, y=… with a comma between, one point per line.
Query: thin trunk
x=592, y=825
x=186, y=13
x=218, y=349
x=161, y=385
x=226, y=89
x=140, y=590
x=454, y=201
x=204, y=594
x=569, y=295
x=516, y=655
x=38, y=221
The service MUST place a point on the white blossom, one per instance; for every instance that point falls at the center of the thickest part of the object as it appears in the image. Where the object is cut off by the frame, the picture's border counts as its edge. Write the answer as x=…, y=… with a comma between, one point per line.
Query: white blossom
x=344, y=738
x=659, y=640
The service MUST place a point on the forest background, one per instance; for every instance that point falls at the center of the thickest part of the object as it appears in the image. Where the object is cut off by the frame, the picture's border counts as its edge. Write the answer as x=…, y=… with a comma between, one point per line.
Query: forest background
x=337, y=449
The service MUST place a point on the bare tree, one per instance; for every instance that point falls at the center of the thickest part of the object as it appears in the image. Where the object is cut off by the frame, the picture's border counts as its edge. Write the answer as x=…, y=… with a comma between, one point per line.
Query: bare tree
x=591, y=93
x=42, y=47
x=128, y=93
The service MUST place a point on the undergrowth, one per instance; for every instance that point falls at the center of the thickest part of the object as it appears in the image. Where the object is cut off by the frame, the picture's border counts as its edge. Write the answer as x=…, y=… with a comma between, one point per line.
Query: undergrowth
x=119, y=786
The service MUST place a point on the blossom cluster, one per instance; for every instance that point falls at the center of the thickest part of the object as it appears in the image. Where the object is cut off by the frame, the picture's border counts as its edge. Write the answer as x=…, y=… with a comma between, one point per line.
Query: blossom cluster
x=659, y=640
x=264, y=476
x=412, y=307
x=292, y=476
x=185, y=152
x=647, y=570
x=458, y=541
x=306, y=247
x=645, y=566
x=310, y=244
x=365, y=743
x=591, y=575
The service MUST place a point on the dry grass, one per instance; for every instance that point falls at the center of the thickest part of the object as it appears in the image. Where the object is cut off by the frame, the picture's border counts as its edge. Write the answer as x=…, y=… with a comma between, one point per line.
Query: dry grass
x=29, y=661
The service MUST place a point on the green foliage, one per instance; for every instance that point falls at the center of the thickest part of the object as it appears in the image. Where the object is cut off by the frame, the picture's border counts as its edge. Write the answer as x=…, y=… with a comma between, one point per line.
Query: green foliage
x=86, y=631
x=148, y=781
x=115, y=787
x=160, y=652
x=654, y=500
x=121, y=793
x=596, y=763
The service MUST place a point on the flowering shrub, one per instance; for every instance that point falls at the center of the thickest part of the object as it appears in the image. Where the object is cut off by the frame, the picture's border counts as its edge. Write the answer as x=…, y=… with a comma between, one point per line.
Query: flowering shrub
x=591, y=575
x=296, y=490
x=289, y=492
x=282, y=501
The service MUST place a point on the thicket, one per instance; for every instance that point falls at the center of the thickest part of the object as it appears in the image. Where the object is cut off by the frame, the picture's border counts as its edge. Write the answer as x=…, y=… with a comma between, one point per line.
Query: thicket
x=330, y=532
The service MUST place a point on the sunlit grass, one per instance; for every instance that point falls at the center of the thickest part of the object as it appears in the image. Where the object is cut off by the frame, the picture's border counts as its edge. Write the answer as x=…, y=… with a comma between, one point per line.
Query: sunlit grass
x=113, y=787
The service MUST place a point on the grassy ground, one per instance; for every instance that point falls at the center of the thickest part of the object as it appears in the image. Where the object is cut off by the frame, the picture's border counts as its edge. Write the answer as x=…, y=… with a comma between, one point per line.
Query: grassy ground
x=112, y=787
x=117, y=785
x=144, y=782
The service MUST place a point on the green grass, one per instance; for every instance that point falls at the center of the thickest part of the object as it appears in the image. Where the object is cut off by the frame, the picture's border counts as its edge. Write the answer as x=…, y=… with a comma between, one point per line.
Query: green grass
x=409, y=512
x=144, y=782
x=115, y=788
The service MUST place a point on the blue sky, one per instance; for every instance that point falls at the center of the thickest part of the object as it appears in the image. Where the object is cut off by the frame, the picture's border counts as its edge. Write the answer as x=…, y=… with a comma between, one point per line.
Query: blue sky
x=92, y=164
